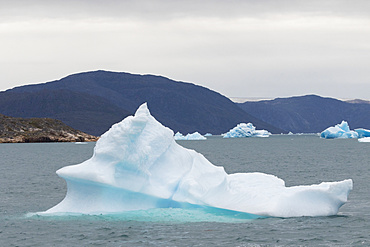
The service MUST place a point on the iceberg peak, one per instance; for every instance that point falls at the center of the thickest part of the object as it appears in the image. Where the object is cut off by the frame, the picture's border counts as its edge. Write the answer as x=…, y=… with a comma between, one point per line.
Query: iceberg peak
x=137, y=165
x=143, y=110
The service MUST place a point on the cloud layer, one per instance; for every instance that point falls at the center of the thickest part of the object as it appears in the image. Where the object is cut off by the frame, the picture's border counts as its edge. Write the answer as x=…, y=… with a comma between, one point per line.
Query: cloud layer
x=238, y=48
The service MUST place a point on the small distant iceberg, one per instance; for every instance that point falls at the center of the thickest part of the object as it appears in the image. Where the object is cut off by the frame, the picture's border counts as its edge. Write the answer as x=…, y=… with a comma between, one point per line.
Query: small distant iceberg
x=246, y=130
x=363, y=132
x=208, y=134
x=339, y=131
x=364, y=139
x=194, y=136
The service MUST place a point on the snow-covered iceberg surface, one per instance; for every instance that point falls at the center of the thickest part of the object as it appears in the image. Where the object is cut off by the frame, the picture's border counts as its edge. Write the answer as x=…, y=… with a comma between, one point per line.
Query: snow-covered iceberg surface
x=246, y=130
x=192, y=136
x=363, y=133
x=364, y=139
x=339, y=131
x=137, y=165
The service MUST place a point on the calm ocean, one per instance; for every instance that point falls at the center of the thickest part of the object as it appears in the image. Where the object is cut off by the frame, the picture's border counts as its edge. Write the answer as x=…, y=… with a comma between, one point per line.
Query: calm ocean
x=28, y=184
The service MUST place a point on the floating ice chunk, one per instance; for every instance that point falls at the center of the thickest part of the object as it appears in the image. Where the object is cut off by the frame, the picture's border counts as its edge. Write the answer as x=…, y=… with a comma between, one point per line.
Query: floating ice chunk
x=363, y=132
x=193, y=136
x=137, y=165
x=246, y=130
x=179, y=136
x=339, y=131
x=208, y=134
x=364, y=139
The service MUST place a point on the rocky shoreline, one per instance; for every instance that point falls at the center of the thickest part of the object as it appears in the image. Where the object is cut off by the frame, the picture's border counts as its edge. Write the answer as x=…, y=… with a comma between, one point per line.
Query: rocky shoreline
x=27, y=130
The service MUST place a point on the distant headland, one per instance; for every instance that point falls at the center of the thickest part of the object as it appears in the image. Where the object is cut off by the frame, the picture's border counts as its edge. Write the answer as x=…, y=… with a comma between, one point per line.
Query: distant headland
x=23, y=130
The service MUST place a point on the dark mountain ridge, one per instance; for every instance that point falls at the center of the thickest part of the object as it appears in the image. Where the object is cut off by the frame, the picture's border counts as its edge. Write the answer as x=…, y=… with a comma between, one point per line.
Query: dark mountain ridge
x=309, y=113
x=93, y=101
x=74, y=108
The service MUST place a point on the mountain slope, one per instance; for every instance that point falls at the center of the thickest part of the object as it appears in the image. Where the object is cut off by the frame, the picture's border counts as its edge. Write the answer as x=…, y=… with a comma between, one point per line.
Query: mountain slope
x=309, y=114
x=111, y=96
x=73, y=108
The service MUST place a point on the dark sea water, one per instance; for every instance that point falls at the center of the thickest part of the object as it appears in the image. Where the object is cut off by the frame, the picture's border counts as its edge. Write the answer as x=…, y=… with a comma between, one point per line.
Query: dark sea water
x=28, y=184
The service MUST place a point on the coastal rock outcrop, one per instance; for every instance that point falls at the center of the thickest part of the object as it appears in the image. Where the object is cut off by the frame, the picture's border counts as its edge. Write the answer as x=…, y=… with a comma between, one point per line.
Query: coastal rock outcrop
x=19, y=130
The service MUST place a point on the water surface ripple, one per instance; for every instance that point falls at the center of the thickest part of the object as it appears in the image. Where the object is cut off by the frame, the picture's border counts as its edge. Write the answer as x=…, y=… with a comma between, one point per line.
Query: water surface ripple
x=28, y=183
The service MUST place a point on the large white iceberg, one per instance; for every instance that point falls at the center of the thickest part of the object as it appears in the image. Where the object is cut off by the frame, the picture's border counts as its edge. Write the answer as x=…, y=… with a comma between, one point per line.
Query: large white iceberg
x=192, y=136
x=339, y=131
x=137, y=165
x=246, y=130
x=363, y=132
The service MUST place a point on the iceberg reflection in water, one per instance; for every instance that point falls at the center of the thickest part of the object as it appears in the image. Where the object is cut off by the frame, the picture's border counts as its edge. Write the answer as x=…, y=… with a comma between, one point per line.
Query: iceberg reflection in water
x=137, y=165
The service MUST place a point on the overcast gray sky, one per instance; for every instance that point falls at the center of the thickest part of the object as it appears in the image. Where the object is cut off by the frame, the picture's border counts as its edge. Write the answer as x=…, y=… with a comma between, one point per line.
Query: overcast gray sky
x=260, y=48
